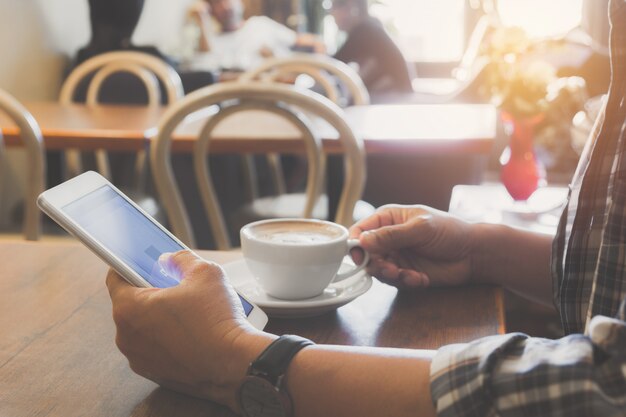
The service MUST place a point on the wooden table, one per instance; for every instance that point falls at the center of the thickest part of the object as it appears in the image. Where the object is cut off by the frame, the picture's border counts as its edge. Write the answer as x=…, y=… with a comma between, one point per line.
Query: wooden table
x=386, y=129
x=410, y=147
x=114, y=128
x=57, y=351
x=415, y=153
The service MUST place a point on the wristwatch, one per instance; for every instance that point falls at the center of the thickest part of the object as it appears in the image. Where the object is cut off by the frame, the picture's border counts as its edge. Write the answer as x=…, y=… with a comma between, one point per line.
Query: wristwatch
x=263, y=392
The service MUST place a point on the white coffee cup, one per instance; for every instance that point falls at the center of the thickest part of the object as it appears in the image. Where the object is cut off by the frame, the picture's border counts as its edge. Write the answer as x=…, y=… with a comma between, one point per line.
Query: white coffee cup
x=295, y=259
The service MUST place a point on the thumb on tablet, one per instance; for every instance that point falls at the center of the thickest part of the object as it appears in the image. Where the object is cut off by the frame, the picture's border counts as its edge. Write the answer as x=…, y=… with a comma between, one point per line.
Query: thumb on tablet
x=186, y=265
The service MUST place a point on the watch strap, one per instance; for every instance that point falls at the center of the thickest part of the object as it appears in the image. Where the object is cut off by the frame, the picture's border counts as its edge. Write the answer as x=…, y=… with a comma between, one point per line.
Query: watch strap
x=275, y=359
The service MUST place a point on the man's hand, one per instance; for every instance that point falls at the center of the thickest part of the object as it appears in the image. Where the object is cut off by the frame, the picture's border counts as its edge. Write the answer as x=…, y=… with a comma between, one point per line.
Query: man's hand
x=194, y=337
x=416, y=246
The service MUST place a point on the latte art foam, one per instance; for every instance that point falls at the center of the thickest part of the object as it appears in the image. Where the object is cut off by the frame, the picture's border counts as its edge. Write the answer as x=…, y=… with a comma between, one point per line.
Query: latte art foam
x=296, y=238
x=295, y=232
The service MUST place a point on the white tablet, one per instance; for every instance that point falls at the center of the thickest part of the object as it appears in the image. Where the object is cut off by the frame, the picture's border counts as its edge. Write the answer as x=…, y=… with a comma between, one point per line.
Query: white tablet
x=119, y=232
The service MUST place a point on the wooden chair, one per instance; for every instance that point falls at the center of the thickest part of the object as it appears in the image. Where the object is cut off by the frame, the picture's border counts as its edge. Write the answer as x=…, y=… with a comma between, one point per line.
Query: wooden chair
x=335, y=79
x=33, y=141
x=290, y=103
x=326, y=72
x=150, y=70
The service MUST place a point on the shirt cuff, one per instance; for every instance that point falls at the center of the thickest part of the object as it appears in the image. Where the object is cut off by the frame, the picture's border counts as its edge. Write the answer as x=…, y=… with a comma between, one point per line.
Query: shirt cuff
x=459, y=376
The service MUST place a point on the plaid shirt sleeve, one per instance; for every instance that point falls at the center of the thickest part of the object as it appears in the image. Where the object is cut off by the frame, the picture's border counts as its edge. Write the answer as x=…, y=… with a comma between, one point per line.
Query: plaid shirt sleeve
x=517, y=375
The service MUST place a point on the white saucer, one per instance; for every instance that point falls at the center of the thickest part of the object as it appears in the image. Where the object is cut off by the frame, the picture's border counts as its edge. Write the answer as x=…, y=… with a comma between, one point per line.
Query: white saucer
x=332, y=298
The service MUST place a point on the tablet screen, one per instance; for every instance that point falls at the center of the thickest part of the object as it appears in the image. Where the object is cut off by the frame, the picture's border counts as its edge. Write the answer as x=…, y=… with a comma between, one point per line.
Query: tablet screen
x=128, y=234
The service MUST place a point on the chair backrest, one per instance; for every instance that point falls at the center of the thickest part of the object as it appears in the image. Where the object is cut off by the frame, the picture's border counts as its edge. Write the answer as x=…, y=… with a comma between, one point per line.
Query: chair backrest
x=150, y=70
x=475, y=45
x=322, y=68
x=286, y=101
x=147, y=68
x=33, y=142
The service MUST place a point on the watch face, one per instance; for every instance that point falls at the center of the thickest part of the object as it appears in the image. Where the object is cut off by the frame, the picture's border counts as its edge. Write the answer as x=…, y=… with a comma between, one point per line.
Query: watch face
x=259, y=398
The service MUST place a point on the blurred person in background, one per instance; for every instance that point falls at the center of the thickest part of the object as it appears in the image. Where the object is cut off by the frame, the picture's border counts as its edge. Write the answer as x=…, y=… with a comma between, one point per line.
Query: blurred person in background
x=226, y=40
x=381, y=65
x=113, y=23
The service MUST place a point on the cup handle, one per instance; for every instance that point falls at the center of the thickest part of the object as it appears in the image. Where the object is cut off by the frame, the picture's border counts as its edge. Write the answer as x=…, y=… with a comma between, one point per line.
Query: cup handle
x=353, y=243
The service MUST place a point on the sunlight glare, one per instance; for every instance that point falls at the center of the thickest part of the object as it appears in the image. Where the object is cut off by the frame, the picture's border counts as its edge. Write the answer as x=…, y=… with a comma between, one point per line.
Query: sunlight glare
x=425, y=30
x=541, y=18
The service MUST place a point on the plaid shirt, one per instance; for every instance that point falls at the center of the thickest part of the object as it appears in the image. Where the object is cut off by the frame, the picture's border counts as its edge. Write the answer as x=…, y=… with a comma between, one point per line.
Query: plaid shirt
x=584, y=373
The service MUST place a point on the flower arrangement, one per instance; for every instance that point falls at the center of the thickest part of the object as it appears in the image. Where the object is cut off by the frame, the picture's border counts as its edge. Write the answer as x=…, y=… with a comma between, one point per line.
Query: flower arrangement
x=553, y=139
x=527, y=88
x=516, y=84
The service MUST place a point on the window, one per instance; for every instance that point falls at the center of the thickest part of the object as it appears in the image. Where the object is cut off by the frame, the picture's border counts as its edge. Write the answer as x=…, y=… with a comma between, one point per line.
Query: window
x=541, y=18
x=434, y=30
x=425, y=30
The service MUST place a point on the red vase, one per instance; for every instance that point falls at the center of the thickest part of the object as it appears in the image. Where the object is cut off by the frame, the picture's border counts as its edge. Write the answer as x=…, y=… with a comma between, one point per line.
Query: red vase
x=521, y=172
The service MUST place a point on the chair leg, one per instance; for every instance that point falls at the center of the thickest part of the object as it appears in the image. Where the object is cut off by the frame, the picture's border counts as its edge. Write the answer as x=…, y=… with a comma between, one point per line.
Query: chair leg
x=250, y=178
x=141, y=171
x=276, y=170
x=73, y=163
x=102, y=162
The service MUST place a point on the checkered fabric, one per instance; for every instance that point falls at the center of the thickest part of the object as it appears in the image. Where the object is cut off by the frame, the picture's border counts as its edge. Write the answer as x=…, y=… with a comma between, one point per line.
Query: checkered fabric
x=584, y=373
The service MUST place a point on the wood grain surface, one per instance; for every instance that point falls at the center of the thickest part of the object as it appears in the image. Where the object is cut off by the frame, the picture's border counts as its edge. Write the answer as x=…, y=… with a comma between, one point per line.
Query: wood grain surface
x=57, y=350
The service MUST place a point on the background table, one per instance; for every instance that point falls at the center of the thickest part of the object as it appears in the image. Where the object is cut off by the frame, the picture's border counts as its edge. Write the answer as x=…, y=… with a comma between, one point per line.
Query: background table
x=415, y=153
x=57, y=351
x=424, y=150
x=386, y=129
x=110, y=127
x=491, y=203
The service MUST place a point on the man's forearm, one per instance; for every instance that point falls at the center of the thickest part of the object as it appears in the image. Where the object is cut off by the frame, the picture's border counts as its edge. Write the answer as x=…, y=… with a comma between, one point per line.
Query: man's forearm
x=516, y=259
x=347, y=381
